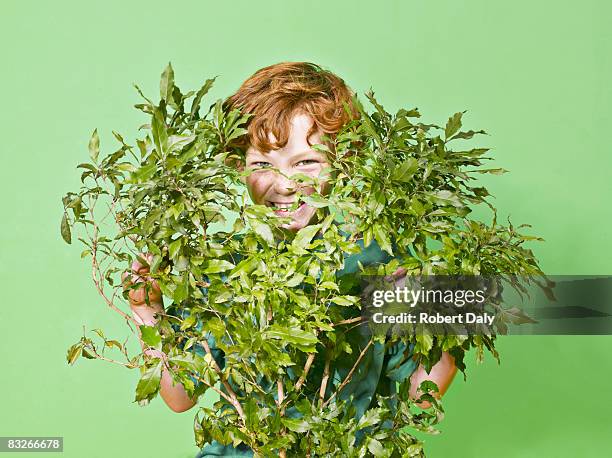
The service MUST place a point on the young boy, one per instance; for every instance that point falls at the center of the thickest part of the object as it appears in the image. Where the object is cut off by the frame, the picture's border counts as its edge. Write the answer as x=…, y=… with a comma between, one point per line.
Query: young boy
x=293, y=105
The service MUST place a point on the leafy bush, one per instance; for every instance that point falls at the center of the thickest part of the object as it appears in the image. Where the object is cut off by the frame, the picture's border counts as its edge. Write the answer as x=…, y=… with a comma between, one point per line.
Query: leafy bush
x=271, y=298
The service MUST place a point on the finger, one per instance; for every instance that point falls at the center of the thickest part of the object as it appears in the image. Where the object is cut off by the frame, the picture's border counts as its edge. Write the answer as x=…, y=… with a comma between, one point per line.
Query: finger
x=153, y=353
x=137, y=296
x=139, y=267
x=140, y=270
x=128, y=279
x=399, y=272
x=142, y=296
x=144, y=259
x=155, y=286
x=145, y=287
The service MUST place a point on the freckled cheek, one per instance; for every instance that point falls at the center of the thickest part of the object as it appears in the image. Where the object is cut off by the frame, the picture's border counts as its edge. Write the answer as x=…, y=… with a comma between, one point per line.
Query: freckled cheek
x=258, y=185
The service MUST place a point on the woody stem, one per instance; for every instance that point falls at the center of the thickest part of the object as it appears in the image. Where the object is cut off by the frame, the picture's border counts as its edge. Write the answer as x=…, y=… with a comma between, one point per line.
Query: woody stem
x=350, y=374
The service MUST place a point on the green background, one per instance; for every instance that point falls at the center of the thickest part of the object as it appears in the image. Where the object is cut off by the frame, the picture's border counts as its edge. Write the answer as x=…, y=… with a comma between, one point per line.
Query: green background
x=535, y=75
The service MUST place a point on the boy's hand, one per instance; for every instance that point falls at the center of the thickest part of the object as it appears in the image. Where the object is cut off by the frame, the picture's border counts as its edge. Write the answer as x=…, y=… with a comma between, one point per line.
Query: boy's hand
x=399, y=277
x=140, y=274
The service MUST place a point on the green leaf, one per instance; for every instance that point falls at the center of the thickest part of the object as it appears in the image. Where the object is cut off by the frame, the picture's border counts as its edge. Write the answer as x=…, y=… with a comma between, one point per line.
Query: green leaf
x=182, y=291
x=145, y=172
x=328, y=285
x=127, y=167
x=166, y=85
x=87, y=166
x=297, y=425
x=382, y=237
x=469, y=134
x=370, y=418
x=113, y=343
x=94, y=146
x=302, y=339
x=445, y=197
x=149, y=383
x=215, y=326
x=174, y=247
x=305, y=236
x=159, y=131
x=262, y=229
x=65, y=229
x=299, y=299
x=74, y=352
x=406, y=170
x=188, y=322
x=316, y=201
x=295, y=280
x=344, y=301
x=150, y=336
x=246, y=265
x=517, y=316
x=491, y=171
x=453, y=125
x=424, y=342
x=87, y=355
x=195, y=106
x=217, y=265
x=375, y=447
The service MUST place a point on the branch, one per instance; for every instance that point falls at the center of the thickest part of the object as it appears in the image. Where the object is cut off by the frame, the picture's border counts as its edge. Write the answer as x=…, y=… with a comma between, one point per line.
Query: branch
x=311, y=356
x=325, y=376
x=281, y=396
x=234, y=399
x=307, y=366
x=350, y=374
x=282, y=453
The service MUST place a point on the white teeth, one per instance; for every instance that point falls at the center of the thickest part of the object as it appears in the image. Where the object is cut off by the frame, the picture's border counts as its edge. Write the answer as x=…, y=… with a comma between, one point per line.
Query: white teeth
x=282, y=206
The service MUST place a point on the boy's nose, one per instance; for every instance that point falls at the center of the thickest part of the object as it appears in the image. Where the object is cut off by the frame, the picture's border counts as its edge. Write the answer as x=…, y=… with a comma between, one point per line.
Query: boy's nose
x=284, y=185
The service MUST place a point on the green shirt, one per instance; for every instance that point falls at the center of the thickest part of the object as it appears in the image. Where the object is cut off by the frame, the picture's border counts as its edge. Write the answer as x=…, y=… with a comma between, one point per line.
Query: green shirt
x=378, y=372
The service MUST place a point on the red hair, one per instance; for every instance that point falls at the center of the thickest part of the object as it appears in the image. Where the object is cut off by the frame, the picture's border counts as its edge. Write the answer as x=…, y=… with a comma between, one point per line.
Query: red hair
x=275, y=93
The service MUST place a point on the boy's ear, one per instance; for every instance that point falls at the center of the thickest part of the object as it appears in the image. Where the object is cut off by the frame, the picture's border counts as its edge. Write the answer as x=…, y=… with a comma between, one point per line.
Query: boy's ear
x=239, y=164
x=240, y=168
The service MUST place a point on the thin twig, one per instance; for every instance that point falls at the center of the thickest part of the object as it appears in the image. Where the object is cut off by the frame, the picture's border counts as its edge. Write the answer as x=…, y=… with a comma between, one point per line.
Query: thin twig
x=348, y=321
x=114, y=361
x=96, y=269
x=214, y=388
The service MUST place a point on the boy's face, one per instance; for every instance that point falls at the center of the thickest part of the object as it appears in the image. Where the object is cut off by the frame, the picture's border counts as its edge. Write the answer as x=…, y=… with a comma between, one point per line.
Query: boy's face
x=267, y=187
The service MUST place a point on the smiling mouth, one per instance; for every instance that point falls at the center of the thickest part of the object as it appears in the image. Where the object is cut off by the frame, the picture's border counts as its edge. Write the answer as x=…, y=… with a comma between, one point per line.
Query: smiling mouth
x=284, y=207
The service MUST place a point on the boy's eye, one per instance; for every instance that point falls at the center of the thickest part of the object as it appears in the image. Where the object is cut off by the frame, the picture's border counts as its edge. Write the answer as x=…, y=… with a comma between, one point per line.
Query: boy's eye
x=308, y=162
x=261, y=164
